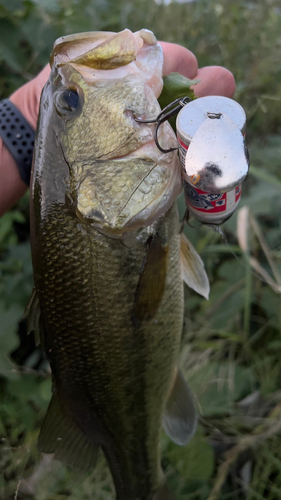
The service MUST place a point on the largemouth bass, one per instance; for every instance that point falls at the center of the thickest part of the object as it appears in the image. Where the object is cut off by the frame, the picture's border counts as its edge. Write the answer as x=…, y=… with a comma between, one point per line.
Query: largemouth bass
x=105, y=233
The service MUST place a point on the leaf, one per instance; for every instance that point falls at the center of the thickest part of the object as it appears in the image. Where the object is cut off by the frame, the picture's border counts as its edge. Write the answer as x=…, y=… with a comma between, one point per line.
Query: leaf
x=271, y=304
x=52, y=6
x=265, y=176
x=40, y=36
x=28, y=387
x=7, y=235
x=16, y=280
x=264, y=274
x=260, y=199
x=10, y=49
x=194, y=461
x=8, y=339
x=12, y=5
x=175, y=86
x=218, y=386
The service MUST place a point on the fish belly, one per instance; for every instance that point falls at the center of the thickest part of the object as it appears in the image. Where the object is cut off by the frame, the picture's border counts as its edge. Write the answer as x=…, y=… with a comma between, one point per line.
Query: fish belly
x=112, y=374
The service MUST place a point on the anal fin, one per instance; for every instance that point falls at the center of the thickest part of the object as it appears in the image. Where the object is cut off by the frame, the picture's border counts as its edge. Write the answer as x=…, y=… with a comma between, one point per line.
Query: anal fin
x=60, y=435
x=180, y=416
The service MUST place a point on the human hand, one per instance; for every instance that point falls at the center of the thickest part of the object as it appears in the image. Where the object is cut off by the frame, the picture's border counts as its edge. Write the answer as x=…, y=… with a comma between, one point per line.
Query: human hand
x=215, y=80
x=27, y=97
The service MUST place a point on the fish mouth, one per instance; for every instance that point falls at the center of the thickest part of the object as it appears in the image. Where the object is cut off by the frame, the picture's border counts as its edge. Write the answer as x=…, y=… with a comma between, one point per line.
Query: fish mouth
x=141, y=192
x=117, y=194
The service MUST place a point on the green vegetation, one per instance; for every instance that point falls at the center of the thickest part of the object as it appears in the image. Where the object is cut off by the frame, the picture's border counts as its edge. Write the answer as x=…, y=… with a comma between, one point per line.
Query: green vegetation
x=231, y=343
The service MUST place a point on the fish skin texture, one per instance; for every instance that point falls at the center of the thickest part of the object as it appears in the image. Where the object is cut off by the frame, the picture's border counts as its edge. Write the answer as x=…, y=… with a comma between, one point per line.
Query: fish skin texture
x=112, y=374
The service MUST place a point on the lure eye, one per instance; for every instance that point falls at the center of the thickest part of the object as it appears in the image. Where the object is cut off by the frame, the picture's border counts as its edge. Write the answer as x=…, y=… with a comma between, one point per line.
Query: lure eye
x=67, y=101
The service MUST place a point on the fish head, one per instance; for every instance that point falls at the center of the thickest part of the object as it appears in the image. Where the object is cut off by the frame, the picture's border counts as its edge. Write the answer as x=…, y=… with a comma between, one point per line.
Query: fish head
x=99, y=85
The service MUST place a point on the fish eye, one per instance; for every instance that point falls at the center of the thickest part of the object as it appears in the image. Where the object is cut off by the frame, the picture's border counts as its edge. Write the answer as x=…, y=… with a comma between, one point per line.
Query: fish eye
x=71, y=98
x=67, y=101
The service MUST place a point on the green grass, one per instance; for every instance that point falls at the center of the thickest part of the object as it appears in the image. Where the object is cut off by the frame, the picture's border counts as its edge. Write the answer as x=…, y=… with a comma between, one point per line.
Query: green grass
x=231, y=343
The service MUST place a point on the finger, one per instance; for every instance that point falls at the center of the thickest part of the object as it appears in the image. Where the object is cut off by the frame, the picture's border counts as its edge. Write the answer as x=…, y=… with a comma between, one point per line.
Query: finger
x=43, y=76
x=215, y=80
x=37, y=86
x=178, y=59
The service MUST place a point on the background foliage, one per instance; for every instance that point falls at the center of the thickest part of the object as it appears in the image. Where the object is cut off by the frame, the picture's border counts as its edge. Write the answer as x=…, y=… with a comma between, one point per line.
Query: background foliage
x=232, y=342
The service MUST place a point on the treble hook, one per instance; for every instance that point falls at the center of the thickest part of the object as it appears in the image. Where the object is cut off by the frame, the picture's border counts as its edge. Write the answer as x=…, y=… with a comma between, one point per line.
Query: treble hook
x=172, y=109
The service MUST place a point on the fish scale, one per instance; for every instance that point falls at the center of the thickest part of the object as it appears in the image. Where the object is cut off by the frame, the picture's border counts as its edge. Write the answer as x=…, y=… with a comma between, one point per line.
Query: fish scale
x=108, y=296
x=119, y=344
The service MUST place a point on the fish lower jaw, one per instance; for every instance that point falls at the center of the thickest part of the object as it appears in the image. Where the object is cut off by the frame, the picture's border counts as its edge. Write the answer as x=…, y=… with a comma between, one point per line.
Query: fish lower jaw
x=99, y=226
x=143, y=190
x=112, y=231
x=122, y=224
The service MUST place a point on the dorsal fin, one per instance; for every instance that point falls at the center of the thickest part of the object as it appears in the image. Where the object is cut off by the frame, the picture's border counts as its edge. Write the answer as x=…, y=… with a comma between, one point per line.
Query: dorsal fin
x=61, y=435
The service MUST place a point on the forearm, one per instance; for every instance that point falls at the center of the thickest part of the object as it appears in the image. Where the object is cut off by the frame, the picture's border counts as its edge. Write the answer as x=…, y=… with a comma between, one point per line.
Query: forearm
x=12, y=186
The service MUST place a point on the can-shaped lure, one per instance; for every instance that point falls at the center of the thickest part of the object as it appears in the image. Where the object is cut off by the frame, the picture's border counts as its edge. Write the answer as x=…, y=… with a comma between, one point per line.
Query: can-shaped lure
x=213, y=155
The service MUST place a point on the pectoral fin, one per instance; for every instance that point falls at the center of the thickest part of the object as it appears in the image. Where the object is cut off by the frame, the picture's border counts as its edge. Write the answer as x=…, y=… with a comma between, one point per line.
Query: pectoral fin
x=32, y=313
x=192, y=266
x=151, y=283
x=180, y=416
x=61, y=436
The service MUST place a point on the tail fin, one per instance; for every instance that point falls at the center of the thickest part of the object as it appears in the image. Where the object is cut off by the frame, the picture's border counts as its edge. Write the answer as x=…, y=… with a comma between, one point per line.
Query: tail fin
x=164, y=493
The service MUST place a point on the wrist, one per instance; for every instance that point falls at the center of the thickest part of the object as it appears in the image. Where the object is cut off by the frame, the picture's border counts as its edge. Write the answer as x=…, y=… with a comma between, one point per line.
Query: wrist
x=26, y=99
x=11, y=185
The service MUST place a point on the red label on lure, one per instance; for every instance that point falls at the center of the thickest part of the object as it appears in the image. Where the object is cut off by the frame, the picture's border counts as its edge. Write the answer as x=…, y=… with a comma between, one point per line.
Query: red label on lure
x=238, y=192
x=203, y=201
x=182, y=152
